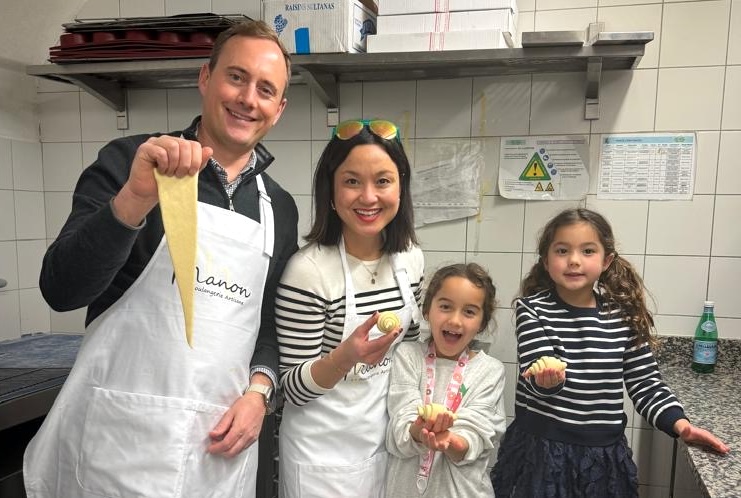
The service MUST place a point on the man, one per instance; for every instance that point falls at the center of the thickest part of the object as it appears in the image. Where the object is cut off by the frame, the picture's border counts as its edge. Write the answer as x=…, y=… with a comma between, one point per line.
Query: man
x=142, y=413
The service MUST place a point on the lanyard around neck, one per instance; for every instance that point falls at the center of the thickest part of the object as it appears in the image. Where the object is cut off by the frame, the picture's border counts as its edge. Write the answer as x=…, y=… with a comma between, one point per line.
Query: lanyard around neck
x=453, y=396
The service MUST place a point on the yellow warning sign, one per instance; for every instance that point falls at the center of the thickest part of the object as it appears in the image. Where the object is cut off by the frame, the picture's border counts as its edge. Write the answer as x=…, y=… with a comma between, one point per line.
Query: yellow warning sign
x=539, y=187
x=549, y=188
x=535, y=170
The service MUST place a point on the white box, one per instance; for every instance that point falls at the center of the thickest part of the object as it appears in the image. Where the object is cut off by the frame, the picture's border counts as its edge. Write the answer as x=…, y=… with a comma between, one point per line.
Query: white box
x=311, y=26
x=504, y=19
x=392, y=7
x=477, y=39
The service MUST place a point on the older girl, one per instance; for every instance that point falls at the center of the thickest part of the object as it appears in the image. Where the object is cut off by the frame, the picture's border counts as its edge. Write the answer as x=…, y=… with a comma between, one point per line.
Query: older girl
x=585, y=304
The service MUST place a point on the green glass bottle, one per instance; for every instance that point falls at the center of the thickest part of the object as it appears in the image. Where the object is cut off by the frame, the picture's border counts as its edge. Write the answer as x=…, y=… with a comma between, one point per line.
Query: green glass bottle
x=706, y=341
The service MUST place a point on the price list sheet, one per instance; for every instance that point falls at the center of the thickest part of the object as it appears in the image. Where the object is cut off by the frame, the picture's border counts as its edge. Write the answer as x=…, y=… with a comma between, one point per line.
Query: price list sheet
x=647, y=166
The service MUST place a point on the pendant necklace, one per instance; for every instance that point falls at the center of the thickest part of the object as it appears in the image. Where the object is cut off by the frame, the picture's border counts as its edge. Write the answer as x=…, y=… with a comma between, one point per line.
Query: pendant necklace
x=372, y=272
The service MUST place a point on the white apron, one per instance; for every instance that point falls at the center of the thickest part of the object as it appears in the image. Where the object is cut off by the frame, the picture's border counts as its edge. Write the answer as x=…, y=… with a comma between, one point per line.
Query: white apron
x=334, y=446
x=133, y=417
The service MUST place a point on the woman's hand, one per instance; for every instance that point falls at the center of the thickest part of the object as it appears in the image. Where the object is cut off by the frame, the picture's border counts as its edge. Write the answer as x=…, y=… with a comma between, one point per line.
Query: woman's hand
x=359, y=348
x=694, y=435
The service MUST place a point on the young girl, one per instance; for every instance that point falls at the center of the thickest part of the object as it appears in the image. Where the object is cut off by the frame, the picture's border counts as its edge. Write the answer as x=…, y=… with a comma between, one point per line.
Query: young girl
x=448, y=455
x=585, y=305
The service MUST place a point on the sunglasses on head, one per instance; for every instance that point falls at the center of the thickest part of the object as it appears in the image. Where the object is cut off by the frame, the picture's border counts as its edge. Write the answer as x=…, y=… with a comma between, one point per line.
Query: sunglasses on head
x=379, y=127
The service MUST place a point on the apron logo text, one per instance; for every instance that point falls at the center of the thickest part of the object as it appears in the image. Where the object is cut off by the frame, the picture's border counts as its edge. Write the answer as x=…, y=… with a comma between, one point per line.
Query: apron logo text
x=364, y=371
x=214, y=286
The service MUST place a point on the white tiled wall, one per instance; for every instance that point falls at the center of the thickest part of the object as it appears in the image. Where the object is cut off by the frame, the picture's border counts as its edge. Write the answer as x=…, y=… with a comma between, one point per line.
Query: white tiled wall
x=687, y=251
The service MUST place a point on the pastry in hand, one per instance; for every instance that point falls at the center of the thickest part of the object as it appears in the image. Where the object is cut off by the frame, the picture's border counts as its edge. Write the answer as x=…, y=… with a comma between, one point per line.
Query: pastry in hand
x=545, y=362
x=388, y=321
x=430, y=411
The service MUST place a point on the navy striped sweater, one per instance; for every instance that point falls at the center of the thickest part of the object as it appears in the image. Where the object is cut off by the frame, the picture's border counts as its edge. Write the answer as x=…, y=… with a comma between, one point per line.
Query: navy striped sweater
x=602, y=355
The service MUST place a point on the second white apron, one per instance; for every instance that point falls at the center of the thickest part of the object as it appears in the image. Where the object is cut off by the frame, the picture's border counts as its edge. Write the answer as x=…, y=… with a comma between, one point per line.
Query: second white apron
x=333, y=446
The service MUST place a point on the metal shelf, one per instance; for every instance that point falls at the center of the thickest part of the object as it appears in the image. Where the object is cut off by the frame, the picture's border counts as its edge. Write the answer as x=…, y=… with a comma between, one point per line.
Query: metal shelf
x=108, y=81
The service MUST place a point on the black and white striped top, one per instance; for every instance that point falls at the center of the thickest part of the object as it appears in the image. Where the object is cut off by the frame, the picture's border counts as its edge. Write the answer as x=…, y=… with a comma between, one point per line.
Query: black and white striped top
x=601, y=355
x=310, y=309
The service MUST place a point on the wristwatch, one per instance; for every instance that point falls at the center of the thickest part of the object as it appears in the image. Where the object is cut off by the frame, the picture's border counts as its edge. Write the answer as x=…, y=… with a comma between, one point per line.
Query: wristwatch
x=267, y=394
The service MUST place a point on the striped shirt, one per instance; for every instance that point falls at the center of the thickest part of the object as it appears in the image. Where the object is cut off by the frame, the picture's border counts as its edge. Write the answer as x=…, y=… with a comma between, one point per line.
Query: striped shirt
x=599, y=348
x=310, y=309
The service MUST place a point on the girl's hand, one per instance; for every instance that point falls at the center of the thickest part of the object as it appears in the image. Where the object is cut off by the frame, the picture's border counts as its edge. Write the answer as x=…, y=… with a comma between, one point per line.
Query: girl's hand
x=694, y=435
x=440, y=424
x=547, y=378
x=436, y=441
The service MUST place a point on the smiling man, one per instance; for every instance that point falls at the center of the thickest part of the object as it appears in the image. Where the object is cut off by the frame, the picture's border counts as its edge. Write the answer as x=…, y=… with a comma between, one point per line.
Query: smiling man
x=162, y=418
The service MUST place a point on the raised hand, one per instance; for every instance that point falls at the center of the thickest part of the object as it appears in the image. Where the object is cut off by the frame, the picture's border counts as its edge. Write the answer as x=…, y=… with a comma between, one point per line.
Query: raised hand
x=171, y=156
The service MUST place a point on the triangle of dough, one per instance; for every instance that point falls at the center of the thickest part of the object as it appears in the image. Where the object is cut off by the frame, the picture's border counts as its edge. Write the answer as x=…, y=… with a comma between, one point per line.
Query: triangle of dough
x=179, y=205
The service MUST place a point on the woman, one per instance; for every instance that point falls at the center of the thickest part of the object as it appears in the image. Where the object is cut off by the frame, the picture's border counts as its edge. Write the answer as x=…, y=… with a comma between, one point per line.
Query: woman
x=362, y=258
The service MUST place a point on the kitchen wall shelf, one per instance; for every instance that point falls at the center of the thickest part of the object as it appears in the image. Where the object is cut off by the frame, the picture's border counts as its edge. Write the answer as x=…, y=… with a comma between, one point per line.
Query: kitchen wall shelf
x=108, y=81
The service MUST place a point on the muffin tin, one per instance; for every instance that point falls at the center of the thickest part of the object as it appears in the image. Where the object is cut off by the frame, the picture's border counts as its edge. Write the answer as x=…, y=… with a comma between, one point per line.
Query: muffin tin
x=183, y=36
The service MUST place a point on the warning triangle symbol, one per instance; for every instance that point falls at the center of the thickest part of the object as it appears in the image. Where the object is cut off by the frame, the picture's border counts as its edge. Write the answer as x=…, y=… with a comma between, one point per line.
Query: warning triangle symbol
x=539, y=187
x=535, y=170
x=549, y=188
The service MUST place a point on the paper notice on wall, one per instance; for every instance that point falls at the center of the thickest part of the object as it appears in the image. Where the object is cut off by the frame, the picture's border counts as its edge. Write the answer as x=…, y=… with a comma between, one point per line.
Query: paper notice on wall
x=647, y=166
x=446, y=184
x=546, y=168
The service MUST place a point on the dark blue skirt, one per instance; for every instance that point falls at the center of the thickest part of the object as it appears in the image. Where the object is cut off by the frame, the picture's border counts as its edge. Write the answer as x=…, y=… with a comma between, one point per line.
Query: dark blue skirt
x=529, y=466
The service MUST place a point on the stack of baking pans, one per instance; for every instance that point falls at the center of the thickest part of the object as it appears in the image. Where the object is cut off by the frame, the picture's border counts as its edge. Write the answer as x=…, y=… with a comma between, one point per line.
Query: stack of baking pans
x=134, y=38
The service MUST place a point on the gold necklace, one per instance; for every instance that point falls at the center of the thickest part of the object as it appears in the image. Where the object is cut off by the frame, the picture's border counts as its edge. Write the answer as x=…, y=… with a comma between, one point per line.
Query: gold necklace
x=374, y=272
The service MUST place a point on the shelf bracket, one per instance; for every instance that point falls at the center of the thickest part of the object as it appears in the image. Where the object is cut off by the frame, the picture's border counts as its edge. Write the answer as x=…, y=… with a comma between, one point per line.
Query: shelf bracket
x=110, y=93
x=324, y=86
x=594, y=74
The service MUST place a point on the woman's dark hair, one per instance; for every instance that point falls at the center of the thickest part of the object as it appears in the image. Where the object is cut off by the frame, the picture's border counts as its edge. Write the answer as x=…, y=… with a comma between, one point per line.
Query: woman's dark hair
x=619, y=285
x=327, y=226
x=475, y=274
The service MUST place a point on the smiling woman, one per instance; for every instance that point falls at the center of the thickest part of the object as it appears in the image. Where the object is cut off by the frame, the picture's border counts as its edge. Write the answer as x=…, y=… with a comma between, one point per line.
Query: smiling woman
x=334, y=360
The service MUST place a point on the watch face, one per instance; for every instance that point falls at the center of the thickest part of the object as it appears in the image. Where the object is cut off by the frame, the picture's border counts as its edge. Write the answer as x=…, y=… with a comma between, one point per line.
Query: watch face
x=266, y=391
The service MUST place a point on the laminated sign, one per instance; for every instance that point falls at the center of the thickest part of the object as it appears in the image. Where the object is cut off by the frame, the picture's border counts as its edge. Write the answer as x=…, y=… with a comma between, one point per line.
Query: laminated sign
x=544, y=168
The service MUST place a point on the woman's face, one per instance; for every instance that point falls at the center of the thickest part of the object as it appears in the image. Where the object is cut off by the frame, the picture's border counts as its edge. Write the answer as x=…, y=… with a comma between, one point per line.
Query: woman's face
x=367, y=192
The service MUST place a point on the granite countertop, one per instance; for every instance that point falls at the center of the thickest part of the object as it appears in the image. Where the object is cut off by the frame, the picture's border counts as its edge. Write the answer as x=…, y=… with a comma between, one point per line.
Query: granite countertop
x=711, y=401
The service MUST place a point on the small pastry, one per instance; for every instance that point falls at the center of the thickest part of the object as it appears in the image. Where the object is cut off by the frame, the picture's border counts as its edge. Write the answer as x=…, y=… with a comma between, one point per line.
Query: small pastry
x=388, y=321
x=431, y=411
x=546, y=362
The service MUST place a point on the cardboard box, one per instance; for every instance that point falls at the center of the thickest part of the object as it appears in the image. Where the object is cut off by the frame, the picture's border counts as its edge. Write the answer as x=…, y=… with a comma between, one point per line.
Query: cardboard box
x=315, y=26
x=437, y=41
x=504, y=19
x=394, y=7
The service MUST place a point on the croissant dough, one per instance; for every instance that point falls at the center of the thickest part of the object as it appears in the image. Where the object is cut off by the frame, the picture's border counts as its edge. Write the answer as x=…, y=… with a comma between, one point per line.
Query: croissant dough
x=388, y=321
x=430, y=411
x=178, y=199
x=546, y=362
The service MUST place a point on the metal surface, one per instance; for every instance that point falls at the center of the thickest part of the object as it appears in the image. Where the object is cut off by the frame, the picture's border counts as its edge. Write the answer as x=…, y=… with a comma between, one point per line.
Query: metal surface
x=108, y=81
x=623, y=38
x=594, y=75
x=552, y=38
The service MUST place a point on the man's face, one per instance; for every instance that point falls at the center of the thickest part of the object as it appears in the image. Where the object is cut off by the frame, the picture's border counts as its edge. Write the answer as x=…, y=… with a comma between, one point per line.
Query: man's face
x=243, y=95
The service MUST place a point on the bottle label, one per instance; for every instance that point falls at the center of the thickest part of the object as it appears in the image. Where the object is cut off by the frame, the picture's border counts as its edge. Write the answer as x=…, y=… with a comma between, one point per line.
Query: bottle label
x=705, y=352
x=708, y=326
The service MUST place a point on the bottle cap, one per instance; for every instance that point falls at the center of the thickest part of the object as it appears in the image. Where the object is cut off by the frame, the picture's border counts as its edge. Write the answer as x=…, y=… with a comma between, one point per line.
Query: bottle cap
x=709, y=303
